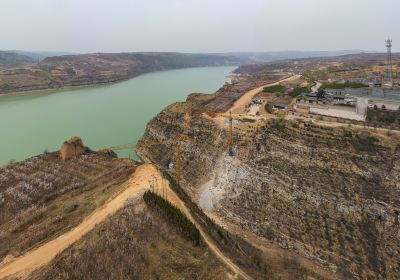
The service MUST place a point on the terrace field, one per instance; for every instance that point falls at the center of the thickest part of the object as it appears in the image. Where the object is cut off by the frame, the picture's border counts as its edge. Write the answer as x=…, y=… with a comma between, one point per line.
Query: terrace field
x=42, y=197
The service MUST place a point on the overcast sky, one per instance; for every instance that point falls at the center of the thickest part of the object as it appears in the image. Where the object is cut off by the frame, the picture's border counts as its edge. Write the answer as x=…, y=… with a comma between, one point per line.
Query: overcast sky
x=198, y=25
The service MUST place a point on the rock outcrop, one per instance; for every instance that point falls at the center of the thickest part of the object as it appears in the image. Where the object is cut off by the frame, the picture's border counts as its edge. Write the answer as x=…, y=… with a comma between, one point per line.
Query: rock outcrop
x=72, y=148
x=331, y=196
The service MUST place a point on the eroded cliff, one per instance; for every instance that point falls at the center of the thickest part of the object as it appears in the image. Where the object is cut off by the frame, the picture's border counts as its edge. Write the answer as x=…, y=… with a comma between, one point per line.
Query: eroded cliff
x=331, y=194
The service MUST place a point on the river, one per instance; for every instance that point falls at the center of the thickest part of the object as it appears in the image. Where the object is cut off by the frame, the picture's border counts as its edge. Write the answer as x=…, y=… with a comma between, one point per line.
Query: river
x=103, y=116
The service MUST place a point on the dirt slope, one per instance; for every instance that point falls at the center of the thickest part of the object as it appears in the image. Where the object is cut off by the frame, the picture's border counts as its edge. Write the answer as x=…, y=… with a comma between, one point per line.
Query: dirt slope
x=38, y=257
x=32, y=260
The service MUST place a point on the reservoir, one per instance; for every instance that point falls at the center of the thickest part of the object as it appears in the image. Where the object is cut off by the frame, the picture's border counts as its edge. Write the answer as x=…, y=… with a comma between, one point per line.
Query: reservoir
x=103, y=116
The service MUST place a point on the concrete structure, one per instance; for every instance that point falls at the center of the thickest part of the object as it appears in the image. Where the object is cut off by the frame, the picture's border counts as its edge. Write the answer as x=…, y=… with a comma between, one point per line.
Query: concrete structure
x=362, y=105
x=337, y=112
x=386, y=104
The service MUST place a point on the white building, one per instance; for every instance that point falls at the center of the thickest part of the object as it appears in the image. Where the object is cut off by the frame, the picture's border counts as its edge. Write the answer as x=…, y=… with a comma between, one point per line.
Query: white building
x=362, y=105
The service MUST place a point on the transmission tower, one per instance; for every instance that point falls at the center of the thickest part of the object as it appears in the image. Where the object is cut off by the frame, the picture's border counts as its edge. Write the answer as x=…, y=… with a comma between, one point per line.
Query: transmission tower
x=389, y=61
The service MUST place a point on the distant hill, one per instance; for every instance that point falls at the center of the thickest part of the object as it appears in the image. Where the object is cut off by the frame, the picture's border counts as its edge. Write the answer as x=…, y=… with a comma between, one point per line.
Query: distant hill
x=313, y=63
x=100, y=68
x=281, y=55
x=40, y=55
x=13, y=59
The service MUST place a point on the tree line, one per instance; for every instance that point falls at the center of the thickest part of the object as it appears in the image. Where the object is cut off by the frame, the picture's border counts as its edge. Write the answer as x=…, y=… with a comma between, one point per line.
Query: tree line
x=174, y=215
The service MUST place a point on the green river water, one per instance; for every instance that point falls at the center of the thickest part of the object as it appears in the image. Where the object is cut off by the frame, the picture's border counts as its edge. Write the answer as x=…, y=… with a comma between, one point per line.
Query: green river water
x=103, y=116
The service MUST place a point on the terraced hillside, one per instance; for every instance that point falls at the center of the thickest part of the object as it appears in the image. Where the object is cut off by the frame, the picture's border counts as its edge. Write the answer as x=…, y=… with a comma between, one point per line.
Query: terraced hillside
x=10, y=59
x=89, y=69
x=330, y=194
x=42, y=197
x=136, y=243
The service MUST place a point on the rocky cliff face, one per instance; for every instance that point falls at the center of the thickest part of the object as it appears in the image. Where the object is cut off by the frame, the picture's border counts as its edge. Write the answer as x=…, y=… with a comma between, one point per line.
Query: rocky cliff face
x=330, y=194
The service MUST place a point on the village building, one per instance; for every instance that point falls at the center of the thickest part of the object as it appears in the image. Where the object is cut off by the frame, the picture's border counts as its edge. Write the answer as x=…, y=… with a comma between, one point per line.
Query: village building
x=257, y=100
x=280, y=104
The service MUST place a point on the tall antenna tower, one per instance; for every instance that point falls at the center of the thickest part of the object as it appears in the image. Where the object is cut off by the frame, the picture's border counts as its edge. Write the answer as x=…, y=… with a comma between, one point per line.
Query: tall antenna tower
x=389, y=61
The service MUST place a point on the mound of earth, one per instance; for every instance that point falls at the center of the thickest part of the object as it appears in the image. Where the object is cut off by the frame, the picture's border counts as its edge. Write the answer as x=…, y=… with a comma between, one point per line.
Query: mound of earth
x=72, y=148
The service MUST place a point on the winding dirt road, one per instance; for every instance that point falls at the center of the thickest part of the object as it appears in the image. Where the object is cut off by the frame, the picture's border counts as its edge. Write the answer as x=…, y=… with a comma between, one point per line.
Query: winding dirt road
x=23, y=265
x=238, y=272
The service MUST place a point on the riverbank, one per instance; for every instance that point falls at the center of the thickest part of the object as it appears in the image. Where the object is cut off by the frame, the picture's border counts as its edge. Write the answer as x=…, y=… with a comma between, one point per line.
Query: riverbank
x=100, y=68
x=94, y=85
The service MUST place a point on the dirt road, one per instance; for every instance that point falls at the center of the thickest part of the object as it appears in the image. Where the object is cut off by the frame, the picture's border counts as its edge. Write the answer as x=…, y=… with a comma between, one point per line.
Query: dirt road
x=25, y=264
x=239, y=106
x=173, y=198
x=238, y=109
x=22, y=266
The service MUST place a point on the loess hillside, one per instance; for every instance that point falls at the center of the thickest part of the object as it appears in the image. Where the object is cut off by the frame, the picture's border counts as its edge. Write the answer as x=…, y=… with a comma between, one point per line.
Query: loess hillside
x=42, y=197
x=136, y=243
x=331, y=194
x=88, y=69
x=9, y=59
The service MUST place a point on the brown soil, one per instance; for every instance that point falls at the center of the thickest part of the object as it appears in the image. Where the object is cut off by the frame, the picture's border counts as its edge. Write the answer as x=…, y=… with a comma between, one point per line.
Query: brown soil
x=32, y=260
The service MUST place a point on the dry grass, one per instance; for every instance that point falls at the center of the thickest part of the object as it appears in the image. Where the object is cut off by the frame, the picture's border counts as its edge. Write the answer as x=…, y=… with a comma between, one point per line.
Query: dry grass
x=135, y=243
x=42, y=197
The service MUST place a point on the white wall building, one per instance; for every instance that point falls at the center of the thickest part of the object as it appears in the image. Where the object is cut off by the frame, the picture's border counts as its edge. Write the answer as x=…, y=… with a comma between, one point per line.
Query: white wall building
x=362, y=105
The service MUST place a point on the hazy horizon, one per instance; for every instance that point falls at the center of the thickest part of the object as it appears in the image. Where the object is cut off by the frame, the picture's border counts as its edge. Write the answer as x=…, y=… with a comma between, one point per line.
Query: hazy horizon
x=161, y=51
x=194, y=26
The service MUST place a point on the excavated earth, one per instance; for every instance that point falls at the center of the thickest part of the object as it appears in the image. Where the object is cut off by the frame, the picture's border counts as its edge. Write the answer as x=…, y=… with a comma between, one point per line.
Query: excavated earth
x=329, y=194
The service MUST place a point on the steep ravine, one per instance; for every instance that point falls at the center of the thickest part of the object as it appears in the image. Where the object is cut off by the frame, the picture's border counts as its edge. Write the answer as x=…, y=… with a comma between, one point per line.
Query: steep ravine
x=327, y=194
